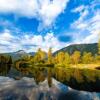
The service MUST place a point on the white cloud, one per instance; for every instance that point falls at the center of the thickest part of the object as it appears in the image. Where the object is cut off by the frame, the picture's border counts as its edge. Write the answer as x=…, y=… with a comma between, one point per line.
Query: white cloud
x=21, y=7
x=79, y=9
x=5, y=36
x=10, y=43
x=92, y=38
x=44, y=10
x=79, y=23
x=89, y=21
x=49, y=40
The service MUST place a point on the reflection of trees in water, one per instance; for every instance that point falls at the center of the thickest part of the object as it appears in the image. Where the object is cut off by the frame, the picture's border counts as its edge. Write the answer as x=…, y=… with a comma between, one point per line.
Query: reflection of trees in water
x=42, y=73
x=5, y=59
x=5, y=64
x=4, y=69
x=81, y=79
x=85, y=79
x=39, y=73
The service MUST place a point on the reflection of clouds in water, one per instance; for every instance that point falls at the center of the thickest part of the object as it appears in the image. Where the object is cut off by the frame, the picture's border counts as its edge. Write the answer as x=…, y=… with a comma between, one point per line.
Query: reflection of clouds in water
x=26, y=89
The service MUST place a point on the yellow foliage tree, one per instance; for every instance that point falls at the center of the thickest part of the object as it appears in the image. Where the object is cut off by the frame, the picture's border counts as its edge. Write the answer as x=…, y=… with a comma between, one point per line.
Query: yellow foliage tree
x=75, y=57
x=67, y=59
x=61, y=57
x=50, y=56
x=87, y=58
x=97, y=57
x=56, y=59
x=39, y=56
x=99, y=47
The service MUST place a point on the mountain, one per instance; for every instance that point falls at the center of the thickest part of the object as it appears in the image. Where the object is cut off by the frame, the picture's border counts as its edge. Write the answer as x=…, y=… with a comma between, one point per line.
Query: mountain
x=93, y=48
x=32, y=53
x=20, y=52
x=16, y=55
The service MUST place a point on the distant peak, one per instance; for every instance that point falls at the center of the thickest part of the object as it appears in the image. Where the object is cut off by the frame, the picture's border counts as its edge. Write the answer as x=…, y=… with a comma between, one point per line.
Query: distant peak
x=20, y=52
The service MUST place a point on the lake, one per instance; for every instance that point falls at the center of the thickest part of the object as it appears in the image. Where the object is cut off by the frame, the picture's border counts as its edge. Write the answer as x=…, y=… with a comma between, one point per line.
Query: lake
x=42, y=83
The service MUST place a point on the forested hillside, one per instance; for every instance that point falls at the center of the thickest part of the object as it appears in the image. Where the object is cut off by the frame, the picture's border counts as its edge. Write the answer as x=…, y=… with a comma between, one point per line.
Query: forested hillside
x=93, y=48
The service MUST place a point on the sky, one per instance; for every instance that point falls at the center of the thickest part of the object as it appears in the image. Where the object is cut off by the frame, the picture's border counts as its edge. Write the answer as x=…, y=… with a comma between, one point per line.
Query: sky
x=32, y=24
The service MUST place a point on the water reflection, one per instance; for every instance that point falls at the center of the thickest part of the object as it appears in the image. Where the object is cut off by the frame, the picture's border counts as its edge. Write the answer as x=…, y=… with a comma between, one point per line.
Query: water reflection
x=80, y=79
x=27, y=89
x=39, y=73
x=4, y=69
x=50, y=89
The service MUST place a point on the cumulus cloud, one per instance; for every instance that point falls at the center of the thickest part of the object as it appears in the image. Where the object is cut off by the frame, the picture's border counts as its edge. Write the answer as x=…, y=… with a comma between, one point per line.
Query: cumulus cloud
x=46, y=11
x=43, y=42
x=29, y=42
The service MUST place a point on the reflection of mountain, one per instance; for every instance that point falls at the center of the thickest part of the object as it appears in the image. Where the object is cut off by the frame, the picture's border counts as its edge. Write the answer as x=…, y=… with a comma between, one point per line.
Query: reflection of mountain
x=80, y=47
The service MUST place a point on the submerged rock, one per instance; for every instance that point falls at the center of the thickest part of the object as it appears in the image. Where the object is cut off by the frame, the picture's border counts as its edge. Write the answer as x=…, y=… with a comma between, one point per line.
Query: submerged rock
x=27, y=89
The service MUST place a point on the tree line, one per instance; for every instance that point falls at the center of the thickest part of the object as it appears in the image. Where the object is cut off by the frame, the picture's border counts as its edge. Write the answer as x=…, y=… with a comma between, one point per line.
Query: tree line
x=63, y=58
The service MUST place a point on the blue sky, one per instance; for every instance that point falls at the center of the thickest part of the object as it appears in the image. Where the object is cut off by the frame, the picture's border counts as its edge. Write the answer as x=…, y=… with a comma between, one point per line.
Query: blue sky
x=33, y=24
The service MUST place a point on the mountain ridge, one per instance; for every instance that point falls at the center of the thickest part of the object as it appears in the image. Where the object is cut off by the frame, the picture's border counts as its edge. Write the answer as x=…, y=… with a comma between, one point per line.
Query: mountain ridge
x=90, y=47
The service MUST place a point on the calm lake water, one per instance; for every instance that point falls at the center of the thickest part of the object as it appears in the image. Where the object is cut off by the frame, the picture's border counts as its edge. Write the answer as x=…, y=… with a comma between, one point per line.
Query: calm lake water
x=37, y=84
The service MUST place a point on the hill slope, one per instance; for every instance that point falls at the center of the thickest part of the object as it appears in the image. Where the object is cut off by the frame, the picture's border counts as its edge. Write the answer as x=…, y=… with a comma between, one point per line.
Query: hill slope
x=16, y=55
x=93, y=48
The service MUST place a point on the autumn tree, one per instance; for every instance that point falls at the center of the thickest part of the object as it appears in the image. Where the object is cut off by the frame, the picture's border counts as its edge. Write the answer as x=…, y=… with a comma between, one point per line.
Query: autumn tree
x=99, y=47
x=39, y=56
x=67, y=59
x=97, y=57
x=25, y=57
x=61, y=57
x=75, y=57
x=49, y=61
x=55, y=59
x=87, y=57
